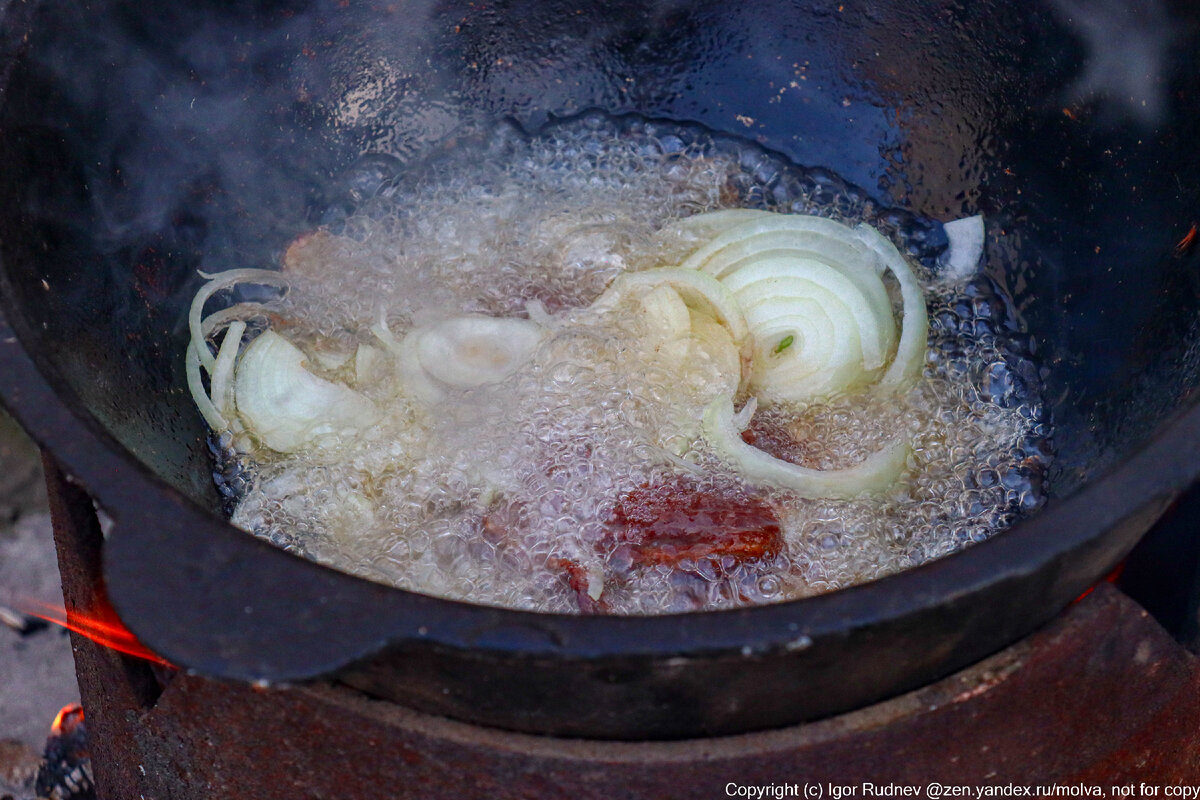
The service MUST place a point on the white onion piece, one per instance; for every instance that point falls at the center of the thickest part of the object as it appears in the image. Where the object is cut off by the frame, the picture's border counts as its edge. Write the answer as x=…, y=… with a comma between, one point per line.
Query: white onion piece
x=805, y=240
x=713, y=223
x=741, y=420
x=286, y=407
x=785, y=277
x=826, y=239
x=687, y=310
x=369, y=362
x=962, y=257
x=714, y=343
x=876, y=474
x=417, y=382
x=914, y=336
x=595, y=582
x=383, y=333
x=698, y=291
x=536, y=310
x=221, y=319
x=833, y=275
x=221, y=380
x=475, y=350
x=750, y=241
x=216, y=283
x=330, y=359
x=203, y=402
x=666, y=313
x=804, y=348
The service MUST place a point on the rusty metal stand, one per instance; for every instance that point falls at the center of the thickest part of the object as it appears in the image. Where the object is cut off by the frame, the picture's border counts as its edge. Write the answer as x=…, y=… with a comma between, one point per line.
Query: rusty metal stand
x=1102, y=696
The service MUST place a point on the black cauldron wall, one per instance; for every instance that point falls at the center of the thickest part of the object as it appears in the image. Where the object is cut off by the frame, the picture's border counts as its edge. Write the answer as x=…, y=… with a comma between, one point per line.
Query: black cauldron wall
x=142, y=143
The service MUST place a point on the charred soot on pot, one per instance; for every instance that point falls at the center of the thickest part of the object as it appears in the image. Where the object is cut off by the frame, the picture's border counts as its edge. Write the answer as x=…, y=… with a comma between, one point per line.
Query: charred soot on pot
x=144, y=145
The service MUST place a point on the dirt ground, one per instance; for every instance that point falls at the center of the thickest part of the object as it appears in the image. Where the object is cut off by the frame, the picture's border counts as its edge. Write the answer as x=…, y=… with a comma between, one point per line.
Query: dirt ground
x=37, y=672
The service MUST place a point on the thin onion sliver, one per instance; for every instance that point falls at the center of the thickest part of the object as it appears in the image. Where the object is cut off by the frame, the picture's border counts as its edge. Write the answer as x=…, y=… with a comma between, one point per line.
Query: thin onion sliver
x=875, y=474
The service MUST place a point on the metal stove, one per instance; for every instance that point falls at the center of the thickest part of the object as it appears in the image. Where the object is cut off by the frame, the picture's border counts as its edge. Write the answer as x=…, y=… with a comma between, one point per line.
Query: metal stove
x=1102, y=697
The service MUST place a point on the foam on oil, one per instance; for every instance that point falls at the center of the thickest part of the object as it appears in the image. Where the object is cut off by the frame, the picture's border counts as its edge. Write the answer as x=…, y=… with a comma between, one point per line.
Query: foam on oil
x=485, y=496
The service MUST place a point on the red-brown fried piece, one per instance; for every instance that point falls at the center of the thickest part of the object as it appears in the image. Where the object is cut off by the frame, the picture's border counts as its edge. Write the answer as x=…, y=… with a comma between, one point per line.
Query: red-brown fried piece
x=500, y=524
x=311, y=254
x=577, y=579
x=665, y=525
x=676, y=522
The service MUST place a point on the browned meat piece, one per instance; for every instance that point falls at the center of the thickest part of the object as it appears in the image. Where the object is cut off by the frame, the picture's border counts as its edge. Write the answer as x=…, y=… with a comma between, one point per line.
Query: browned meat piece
x=577, y=578
x=671, y=523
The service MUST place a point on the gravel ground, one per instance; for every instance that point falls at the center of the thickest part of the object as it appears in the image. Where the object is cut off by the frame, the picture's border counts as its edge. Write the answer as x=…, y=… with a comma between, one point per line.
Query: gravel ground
x=37, y=672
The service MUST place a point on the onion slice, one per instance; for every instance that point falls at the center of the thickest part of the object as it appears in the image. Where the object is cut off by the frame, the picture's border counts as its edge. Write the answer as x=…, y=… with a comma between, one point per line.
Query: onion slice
x=714, y=343
x=698, y=291
x=713, y=223
x=813, y=294
x=688, y=312
x=286, y=407
x=787, y=278
x=215, y=419
x=667, y=313
x=217, y=282
x=824, y=238
x=914, y=337
x=417, y=382
x=876, y=474
x=462, y=352
x=966, y=237
x=821, y=323
x=222, y=375
x=474, y=350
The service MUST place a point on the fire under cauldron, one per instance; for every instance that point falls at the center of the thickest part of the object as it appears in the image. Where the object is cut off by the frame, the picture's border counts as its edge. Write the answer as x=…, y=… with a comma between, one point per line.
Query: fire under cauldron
x=142, y=143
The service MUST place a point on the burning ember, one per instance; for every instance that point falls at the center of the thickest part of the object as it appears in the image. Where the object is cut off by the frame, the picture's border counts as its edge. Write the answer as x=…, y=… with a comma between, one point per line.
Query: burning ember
x=66, y=771
x=67, y=720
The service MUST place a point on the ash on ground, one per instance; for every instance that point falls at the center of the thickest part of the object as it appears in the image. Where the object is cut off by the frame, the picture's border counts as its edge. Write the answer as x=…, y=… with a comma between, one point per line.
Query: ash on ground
x=35, y=660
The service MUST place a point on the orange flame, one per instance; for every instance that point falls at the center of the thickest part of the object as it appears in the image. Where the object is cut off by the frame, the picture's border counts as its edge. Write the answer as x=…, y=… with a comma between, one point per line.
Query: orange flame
x=1185, y=244
x=101, y=625
x=67, y=719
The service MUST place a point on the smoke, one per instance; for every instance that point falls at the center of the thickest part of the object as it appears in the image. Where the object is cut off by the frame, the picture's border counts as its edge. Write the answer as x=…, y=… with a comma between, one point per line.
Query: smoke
x=167, y=118
x=1126, y=65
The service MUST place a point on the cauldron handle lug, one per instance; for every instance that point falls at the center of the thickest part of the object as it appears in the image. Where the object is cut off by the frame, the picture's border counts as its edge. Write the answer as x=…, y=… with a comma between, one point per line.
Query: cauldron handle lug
x=199, y=592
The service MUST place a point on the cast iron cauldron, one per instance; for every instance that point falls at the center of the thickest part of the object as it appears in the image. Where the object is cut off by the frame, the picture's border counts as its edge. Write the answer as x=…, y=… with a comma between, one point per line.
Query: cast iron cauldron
x=141, y=142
